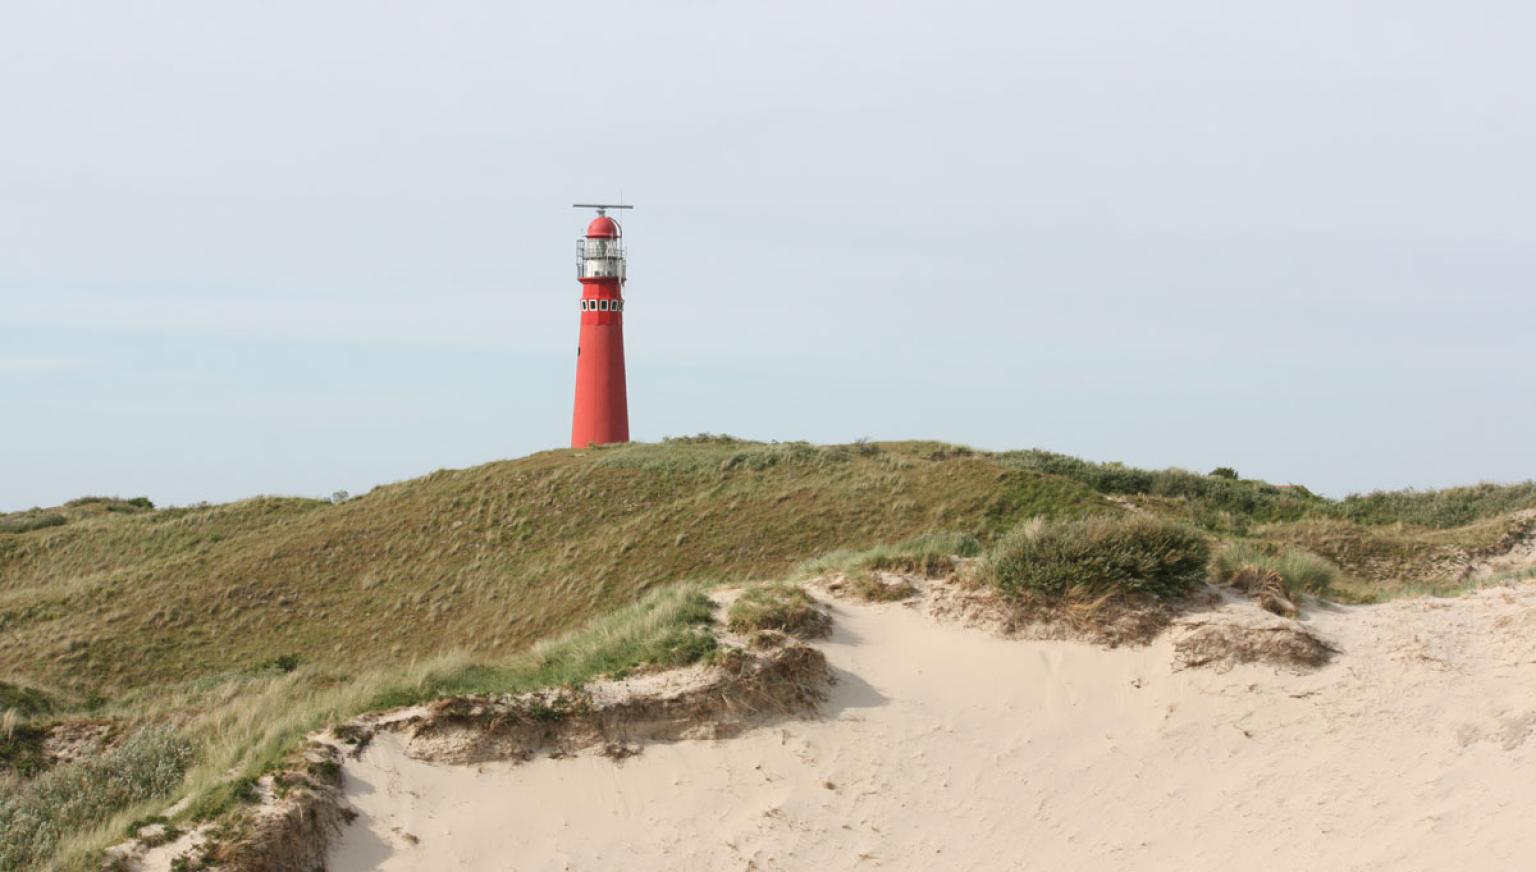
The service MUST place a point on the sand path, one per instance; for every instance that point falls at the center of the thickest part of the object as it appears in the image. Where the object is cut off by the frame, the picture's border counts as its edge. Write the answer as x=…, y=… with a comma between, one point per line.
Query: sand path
x=945, y=748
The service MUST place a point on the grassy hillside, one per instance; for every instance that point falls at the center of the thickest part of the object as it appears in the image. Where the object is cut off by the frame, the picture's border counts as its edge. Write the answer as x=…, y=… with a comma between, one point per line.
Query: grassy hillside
x=486, y=559
x=206, y=641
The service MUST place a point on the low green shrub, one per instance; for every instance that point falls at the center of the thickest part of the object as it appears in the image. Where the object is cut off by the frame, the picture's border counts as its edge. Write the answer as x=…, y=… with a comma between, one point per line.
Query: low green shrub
x=280, y=663
x=1302, y=571
x=1100, y=555
x=70, y=795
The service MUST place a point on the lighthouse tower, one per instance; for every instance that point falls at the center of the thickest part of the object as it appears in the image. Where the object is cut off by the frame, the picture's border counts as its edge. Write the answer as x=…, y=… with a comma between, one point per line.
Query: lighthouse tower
x=602, y=409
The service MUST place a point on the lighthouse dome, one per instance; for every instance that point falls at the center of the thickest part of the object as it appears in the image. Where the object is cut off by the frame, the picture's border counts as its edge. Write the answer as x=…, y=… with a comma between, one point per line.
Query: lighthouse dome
x=603, y=227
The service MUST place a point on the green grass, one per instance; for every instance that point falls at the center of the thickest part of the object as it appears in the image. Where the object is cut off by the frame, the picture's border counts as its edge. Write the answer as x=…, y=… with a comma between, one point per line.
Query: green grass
x=1303, y=572
x=927, y=554
x=1128, y=554
x=665, y=628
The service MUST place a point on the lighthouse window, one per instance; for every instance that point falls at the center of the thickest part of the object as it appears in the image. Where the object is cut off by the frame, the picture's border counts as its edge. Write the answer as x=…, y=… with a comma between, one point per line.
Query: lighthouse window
x=603, y=306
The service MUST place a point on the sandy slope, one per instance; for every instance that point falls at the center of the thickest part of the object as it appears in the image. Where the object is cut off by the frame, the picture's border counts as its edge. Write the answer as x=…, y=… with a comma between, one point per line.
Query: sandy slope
x=945, y=748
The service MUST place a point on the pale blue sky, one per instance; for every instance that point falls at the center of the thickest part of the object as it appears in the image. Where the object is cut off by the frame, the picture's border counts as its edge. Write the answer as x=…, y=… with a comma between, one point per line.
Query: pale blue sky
x=295, y=247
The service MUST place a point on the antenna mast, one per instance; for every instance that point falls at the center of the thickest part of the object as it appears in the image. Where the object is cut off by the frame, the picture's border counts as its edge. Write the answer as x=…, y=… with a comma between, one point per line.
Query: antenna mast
x=602, y=208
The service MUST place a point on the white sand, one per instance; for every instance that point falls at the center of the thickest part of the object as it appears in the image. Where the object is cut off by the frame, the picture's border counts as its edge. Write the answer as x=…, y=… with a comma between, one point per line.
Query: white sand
x=945, y=748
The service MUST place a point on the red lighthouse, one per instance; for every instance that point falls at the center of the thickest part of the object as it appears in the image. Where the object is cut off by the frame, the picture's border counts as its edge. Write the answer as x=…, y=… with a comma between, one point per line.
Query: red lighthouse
x=602, y=409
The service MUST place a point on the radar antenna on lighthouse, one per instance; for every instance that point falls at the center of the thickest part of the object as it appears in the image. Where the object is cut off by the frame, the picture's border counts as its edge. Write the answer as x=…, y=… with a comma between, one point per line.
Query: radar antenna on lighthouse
x=602, y=406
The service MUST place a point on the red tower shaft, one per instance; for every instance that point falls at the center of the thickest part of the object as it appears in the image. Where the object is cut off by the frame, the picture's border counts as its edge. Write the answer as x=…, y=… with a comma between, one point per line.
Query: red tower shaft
x=602, y=404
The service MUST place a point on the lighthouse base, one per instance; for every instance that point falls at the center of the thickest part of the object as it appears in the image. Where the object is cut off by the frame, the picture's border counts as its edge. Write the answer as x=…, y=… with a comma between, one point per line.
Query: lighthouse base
x=602, y=404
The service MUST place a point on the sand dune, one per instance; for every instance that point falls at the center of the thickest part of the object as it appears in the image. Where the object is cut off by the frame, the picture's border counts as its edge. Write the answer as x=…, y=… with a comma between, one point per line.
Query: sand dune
x=943, y=747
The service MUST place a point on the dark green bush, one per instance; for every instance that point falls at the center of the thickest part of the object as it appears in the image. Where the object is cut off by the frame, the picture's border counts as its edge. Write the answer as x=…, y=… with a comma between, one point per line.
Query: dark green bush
x=281, y=663
x=25, y=700
x=1124, y=554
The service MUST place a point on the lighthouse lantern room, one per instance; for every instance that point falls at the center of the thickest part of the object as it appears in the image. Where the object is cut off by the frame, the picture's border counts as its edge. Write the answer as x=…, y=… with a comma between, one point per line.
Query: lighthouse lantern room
x=602, y=407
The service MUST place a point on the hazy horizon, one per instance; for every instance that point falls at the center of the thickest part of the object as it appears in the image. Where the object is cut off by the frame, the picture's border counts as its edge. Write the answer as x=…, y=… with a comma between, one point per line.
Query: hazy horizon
x=298, y=248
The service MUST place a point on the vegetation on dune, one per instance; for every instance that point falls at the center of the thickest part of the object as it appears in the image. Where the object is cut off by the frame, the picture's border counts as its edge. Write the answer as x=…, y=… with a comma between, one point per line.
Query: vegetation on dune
x=26, y=522
x=1219, y=500
x=665, y=628
x=1131, y=554
x=74, y=510
x=1276, y=575
x=1385, y=560
x=493, y=558
x=927, y=554
x=1223, y=501
x=251, y=624
x=21, y=740
x=36, y=815
x=1451, y=507
x=880, y=574
x=489, y=559
x=778, y=606
x=1301, y=571
x=24, y=701
x=237, y=727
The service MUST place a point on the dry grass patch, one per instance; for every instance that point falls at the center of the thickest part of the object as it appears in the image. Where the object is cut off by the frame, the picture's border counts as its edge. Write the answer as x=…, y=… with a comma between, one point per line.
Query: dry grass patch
x=1223, y=644
x=779, y=606
x=879, y=587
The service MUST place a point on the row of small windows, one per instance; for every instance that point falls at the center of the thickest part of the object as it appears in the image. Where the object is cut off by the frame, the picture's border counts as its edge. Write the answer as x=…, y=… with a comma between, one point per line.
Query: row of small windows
x=602, y=305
